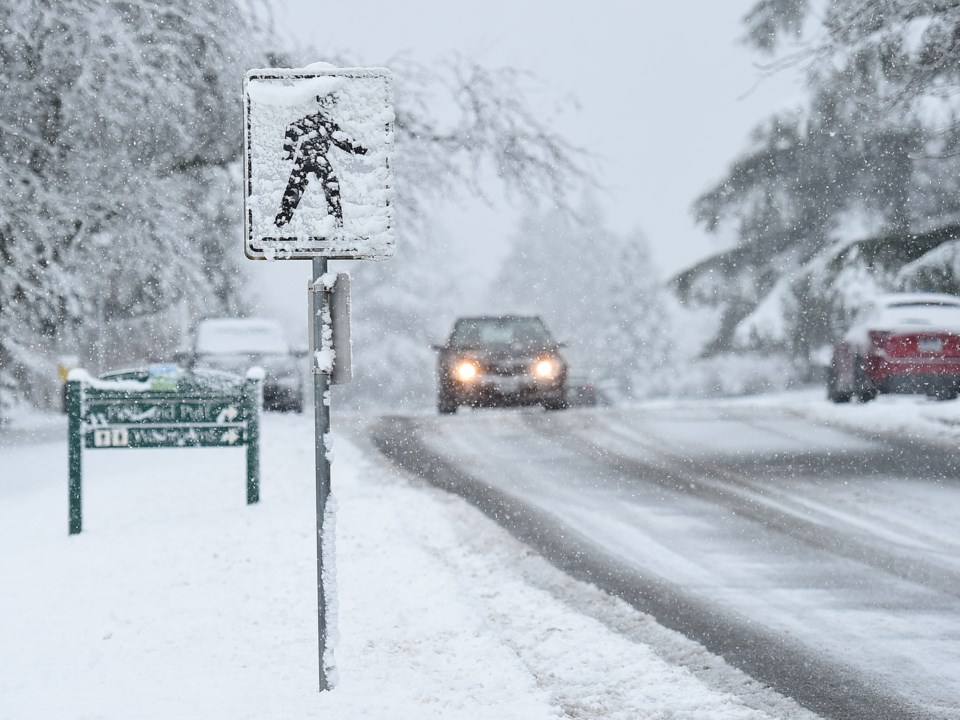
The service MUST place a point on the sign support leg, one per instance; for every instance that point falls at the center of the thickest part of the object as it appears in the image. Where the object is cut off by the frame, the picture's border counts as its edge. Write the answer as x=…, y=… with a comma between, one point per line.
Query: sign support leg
x=74, y=457
x=251, y=397
x=321, y=389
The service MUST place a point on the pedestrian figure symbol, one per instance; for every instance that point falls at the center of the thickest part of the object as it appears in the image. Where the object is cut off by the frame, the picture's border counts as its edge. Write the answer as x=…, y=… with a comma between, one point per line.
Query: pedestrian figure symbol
x=317, y=163
x=307, y=142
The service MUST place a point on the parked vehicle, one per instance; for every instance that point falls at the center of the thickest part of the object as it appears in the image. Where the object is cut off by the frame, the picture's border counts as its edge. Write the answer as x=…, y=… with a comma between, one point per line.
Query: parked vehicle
x=900, y=343
x=500, y=360
x=237, y=344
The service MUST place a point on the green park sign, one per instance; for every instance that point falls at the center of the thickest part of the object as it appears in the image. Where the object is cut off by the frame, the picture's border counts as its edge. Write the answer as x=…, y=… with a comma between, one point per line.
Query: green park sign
x=164, y=408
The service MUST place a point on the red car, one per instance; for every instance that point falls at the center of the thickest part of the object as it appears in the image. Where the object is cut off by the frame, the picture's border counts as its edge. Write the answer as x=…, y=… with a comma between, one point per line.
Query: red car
x=900, y=343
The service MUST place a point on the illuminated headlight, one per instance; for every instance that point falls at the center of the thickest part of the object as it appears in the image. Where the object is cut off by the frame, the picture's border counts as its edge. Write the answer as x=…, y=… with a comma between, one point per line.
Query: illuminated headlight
x=545, y=369
x=466, y=371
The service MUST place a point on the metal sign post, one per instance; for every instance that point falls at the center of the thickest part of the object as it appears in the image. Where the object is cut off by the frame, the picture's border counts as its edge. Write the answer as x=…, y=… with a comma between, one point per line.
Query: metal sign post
x=318, y=185
x=321, y=403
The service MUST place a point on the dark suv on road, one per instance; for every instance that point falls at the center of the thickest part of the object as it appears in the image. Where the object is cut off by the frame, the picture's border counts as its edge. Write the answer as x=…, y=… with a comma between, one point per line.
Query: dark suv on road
x=500, y=360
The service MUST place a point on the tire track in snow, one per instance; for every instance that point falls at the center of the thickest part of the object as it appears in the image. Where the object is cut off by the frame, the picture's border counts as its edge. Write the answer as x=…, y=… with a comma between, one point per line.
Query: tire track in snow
x=757, y=500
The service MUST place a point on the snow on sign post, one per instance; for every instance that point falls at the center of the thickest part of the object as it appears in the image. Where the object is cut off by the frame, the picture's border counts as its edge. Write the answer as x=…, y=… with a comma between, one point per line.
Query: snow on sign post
x=318, y=185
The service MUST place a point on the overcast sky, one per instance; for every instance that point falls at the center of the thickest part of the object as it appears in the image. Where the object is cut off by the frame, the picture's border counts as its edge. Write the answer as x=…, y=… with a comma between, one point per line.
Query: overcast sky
x=667, y=92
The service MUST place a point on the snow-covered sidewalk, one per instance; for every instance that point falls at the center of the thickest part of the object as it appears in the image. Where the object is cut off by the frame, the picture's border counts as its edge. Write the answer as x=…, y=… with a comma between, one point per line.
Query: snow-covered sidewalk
x=179, y=601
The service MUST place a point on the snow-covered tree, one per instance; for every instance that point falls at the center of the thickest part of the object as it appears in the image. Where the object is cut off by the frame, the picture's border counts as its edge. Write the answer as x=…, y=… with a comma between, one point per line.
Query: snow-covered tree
x=118, y=119
x=873, y=153
x=911, y=44
x=597, y=290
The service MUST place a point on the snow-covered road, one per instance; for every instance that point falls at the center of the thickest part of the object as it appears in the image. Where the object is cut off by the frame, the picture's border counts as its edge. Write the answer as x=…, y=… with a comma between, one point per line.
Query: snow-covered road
x=816, y=549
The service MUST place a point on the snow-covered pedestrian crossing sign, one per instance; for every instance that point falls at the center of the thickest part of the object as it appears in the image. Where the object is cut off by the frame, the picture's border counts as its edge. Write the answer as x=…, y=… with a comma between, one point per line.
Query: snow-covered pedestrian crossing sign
x=317, y=159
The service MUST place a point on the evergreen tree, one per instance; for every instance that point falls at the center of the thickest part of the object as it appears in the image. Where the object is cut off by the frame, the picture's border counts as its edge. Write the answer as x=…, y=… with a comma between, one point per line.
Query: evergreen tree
x=598, y=291
x=872, y=153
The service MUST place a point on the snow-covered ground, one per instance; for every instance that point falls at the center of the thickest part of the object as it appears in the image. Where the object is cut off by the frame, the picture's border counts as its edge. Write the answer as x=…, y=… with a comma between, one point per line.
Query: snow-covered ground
x=178, y=600
x=911, y=416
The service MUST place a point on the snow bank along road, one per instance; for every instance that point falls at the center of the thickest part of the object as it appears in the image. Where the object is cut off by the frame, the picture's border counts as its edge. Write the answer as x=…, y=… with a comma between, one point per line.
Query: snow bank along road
x=814, y=549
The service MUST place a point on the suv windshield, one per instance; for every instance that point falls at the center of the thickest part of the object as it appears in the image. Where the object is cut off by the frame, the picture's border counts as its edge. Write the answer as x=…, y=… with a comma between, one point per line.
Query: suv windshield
x=481, y=332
